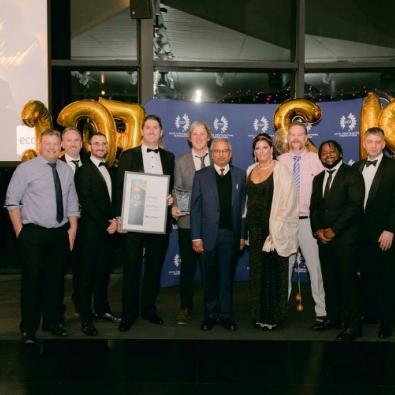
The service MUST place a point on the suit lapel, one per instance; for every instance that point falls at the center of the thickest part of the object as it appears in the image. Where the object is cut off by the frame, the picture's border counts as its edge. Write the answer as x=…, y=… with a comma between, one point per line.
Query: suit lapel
x=213, y=182
x=376, y=180
x=100, y=177
x=163, y=160
x=336, y=181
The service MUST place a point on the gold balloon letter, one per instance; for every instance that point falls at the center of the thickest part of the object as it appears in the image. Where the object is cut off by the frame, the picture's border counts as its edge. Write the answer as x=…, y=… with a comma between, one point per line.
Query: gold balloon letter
x=36, y=115
x=100, y=117
x=132, y=115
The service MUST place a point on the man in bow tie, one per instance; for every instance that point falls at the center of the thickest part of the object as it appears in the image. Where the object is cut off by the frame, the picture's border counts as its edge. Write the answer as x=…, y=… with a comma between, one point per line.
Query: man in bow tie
x=377, y=254
x=146, y=158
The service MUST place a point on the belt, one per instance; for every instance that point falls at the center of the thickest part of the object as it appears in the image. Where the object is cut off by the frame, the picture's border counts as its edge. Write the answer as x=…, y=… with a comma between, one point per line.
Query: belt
x=304, y=217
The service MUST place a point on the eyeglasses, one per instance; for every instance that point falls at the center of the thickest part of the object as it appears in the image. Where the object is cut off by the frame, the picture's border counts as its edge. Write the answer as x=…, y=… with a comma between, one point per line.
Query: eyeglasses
x=220, y=151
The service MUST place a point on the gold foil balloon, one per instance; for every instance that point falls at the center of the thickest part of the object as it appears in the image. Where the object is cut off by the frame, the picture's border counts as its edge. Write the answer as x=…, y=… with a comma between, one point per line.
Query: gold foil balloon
x=28, y=154
x=99, y=116
x=370, y=112
x=287, y=112
x=36, y=115
x=132, y=115
x=280, y=141
x=304, y=109
x=386, y=122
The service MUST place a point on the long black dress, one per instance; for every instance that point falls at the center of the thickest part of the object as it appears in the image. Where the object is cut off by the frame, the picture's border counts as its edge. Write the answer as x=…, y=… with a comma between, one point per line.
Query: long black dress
x=268, y=271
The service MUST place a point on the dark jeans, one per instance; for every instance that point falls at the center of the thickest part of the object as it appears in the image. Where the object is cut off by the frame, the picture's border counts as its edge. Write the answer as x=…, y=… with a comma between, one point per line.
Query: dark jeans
x=43, y=254
x=189, y=260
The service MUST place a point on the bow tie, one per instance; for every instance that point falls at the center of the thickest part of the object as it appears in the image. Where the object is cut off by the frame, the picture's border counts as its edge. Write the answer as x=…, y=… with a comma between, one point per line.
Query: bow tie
x=156, y=150
x=102, y=164
x=371, y=162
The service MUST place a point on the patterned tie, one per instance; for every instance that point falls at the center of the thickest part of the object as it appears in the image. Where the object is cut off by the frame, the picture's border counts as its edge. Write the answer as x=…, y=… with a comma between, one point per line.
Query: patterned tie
x=296, y=173
x=58, y=193
x=328, y=183
x=202, y=158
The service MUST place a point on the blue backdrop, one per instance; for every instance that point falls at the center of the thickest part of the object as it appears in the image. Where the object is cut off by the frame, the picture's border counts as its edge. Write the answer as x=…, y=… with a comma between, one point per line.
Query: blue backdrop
x=241, y=123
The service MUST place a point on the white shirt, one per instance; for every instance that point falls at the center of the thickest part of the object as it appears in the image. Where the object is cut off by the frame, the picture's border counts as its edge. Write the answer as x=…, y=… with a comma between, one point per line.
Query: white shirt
x=69, y=160
x=151, y=161
x=218, y=169
x=334, y=169
x=106, y=175
x=197, y=161
x=368, y=174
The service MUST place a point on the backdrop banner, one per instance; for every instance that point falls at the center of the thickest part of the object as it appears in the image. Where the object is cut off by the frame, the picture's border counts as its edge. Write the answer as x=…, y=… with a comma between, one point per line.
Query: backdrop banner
x=240, y=123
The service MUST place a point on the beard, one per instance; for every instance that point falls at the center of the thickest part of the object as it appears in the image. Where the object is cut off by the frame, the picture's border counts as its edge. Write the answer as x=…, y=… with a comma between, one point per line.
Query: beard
x=331, y=166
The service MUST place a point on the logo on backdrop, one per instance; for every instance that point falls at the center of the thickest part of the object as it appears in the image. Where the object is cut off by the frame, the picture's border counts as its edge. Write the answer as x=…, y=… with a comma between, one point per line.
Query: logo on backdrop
x=182, y=122
x=221, y=125
x=261, y=125
x=177, y=263
x=348, y=124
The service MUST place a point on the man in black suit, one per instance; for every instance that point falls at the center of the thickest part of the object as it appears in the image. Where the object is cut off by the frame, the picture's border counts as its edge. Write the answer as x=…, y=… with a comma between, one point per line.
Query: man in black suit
x=146, y=158
x=74, y=156
x=378, y=227
x=94, y=187
x=335, y=214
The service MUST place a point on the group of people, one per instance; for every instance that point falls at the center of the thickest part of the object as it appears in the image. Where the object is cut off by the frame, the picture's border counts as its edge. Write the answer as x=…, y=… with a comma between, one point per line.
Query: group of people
x=341, y=217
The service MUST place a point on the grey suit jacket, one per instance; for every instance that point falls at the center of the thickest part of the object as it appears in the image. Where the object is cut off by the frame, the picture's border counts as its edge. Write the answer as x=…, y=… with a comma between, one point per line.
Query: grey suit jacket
x=184, y=172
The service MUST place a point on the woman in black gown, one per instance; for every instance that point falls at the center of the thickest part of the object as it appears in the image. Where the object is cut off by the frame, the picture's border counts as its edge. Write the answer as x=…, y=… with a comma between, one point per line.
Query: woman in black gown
x=272, y=218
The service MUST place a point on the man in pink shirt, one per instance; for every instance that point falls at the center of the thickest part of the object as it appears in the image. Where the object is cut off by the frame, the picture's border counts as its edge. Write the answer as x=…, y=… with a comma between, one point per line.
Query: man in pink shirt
x=304, y=166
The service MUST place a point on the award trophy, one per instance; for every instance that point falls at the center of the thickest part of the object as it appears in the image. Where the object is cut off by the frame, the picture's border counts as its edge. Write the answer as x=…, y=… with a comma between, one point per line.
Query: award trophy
x=183, y=198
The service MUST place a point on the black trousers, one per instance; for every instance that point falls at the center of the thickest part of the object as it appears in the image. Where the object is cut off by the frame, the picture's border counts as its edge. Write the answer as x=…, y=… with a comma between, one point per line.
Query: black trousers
x=154, y=248
x=94, y=273
x=339, y=272
x=189, y=260
x=43, y=253
x=377, y=277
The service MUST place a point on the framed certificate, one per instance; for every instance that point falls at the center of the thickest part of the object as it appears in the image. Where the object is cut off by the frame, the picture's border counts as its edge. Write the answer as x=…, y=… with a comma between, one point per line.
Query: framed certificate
x=144, y=202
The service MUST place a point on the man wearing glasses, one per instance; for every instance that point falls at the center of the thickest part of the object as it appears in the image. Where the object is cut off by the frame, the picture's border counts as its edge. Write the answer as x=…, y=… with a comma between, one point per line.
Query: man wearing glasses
x=218, y=196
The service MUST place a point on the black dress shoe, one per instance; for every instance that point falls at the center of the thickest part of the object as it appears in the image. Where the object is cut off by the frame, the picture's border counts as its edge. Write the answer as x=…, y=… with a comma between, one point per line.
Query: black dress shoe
x=348, y=335
x=89, y=329
x=325, y=325
x=208, y=324
x=228, y=324
x=126, y=324
x=28, y=338
x=110, y=317
x=153, y=319
x=58, y=330
x=385, y=331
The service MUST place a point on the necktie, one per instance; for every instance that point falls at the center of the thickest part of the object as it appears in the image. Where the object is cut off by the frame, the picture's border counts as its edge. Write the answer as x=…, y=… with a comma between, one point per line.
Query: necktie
x=371, y=162
x=222, y=172
x=76, y=163
x=156, y=150
x=202, y=158
x=328, y=183
x=296, y=172
x=58, y=193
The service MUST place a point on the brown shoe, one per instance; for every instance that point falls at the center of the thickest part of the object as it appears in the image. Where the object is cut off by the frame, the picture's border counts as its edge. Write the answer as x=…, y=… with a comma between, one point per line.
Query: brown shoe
x=182, y=316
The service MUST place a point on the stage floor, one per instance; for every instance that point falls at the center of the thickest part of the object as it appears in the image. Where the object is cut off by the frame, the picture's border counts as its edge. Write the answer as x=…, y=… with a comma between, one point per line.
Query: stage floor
x=176, y=360
x=296, y=328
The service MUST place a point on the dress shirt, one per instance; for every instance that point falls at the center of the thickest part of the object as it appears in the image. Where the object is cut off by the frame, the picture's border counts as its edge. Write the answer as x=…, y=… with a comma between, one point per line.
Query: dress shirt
x=151, y=161
x=197, y=161
x=310, y=166
x=69, y=161
x=218, y=169
x=32, y=190
x=368, y=174
x=104, y=172
x=334, y=169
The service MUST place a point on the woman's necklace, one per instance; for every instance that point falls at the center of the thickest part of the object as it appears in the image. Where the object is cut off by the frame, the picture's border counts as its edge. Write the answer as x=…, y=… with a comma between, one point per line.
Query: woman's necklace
x=265, y=167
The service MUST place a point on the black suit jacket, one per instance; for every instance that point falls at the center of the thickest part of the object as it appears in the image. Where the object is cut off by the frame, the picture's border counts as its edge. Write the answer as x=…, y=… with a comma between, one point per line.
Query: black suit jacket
x=343, y=208
x=95, y=202
x=132, y=160
x=380, y=206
